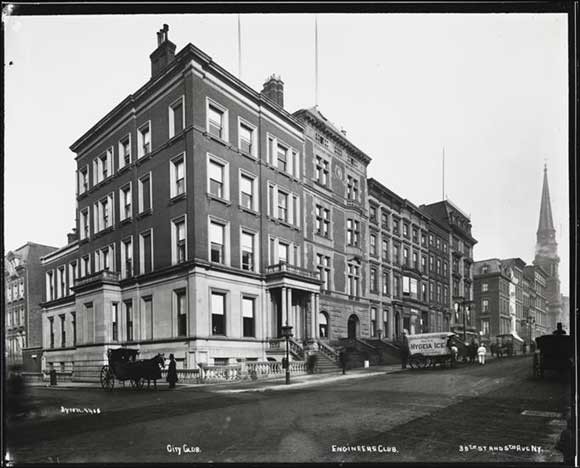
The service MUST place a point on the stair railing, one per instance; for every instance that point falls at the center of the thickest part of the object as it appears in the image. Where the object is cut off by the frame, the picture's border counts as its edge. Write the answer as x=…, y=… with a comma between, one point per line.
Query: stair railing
x=328, y=351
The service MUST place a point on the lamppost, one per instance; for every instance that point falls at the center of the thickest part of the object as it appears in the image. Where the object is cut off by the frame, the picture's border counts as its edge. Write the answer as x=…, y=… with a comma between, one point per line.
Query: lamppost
x=287, y=333
x=461, y=303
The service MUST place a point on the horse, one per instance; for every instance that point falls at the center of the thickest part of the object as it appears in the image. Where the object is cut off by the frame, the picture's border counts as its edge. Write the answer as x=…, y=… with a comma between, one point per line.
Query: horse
x=150, y=369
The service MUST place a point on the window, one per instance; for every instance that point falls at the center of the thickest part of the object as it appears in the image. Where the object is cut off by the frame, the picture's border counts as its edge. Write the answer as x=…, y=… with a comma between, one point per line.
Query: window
x=51, y=331
x=423, y=292
x=384, y=220
x=217, y=121
x=146, y=249
x=431, y=263
x=104, y=211
x=385, y=283
x=282, y=206
x=415, y=261
x=129, y=319
x=85, y=224
x=248, y=304
x=373, y=214
x=145, y=194
x=217, y=242
x=62, y=331
x=485, y=306
x=181, y=312
x=216, y=176
x=103, y=166
x=247, y=192
x=178, y=241
x=177, y=169
x=148, y=317
x=322, y=325
x=72, y=275
x=405, y=256
x=396, y=255
x=484, y=287
x=62, y=289
x=323, y=266
x=247, y=138
x=322, y=221
x=83, y=179
x=144, y=140
x=405, y=230
x=410, y=287
x=86, y=265
x=283, y=252
x=115, y=321
x=321, y=171
x=397, y=286
x=127, y=258
x=385, y=250
x=352, y=232
x=126, y=208
x=373, y=244
x=176, y=117
x=50, y=286
x=351, y=188
x=445, y=268
x=373, y=321
x=125, y=151
x=218, y=313
x=282, y=158
x=353, y=279
x=438, y=266
x=247, y=244
x=396, y=226
x=73, y=316
x=485, y=327
x=415, y=235
x=373, y=280
x=423, y=264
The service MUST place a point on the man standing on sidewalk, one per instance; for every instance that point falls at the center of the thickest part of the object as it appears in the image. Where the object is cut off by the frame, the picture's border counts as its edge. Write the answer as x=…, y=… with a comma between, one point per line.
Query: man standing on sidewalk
x=342, y=361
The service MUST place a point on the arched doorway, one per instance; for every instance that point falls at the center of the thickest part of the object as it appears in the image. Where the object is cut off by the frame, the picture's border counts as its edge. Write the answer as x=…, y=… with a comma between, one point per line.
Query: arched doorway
x=352, y=326
x=323, y=325
x=397, y=325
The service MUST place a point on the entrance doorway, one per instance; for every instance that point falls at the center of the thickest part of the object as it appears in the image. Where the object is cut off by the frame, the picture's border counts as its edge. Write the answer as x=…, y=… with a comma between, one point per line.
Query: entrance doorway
x=353, y=324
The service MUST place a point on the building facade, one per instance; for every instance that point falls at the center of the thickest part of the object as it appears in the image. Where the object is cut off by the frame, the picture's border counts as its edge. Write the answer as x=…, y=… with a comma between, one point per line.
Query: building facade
x=190, y=224
x=336, y=228
x=456, y=226
x=23, y=286
x=546, y=255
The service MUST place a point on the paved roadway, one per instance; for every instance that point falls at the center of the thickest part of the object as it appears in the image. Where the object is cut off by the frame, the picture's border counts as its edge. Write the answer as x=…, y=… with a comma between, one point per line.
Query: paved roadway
x=426, y=415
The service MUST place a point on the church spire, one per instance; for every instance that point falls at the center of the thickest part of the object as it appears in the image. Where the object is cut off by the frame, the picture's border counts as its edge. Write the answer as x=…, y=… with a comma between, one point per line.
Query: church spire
x=546, y=224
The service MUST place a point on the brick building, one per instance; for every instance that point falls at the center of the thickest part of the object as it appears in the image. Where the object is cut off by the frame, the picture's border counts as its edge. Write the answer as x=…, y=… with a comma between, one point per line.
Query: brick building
x=23, y=286
x=191, y=223
x=453, y=226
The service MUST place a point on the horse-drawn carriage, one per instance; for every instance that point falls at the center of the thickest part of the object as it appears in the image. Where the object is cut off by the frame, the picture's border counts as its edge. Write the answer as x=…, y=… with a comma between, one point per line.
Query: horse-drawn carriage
x=553, y=352
x=430, y=349
x=123, y=366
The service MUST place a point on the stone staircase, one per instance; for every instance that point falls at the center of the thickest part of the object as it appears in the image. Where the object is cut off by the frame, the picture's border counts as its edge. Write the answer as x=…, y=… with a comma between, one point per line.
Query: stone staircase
x=389, y=353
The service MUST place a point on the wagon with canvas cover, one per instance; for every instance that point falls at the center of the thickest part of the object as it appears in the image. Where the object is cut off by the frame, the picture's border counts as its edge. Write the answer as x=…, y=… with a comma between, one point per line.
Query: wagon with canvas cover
x=430, y=349
x=123, y=366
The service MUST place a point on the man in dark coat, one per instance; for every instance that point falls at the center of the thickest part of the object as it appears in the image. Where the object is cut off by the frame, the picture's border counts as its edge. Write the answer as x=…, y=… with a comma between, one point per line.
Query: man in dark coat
x=172, y=371
x=404, y=351
x=342, y=361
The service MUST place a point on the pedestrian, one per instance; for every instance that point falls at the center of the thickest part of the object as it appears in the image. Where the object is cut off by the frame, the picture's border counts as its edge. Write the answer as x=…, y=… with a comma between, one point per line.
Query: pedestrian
x=472, y=351
x=493, y=349
x=342, y=360
x=172, y=372
x=559, y=330
x=525, y=346
x=481, y=352
x=404, y=351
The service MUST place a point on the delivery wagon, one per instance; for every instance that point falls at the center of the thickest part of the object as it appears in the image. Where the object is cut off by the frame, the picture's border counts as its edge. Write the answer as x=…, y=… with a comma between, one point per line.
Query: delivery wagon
x=430, y=349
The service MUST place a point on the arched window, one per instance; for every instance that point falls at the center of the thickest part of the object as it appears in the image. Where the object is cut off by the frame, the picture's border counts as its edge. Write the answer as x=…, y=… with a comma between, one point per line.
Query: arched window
x=323, y=325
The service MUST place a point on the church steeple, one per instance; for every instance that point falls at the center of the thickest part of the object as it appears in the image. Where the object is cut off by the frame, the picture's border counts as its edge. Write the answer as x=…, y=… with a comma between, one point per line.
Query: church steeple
x=546, y=223
x=546, y=245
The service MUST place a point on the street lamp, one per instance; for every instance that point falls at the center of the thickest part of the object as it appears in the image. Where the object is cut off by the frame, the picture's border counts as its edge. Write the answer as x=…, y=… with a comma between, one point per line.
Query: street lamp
x=287, y=333
x=461, y=303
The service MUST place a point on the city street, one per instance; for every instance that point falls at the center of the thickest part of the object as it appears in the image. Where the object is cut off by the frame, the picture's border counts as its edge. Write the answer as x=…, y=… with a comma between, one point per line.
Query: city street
x=457, y=415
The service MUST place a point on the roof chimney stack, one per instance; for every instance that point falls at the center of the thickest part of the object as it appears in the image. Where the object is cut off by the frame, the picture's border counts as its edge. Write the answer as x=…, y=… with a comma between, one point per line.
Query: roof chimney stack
x=164, y=54
x=274, y=90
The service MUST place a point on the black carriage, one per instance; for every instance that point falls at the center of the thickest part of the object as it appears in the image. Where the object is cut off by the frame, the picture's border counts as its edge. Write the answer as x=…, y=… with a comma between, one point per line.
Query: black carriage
x=553, y=352
x=124, y=366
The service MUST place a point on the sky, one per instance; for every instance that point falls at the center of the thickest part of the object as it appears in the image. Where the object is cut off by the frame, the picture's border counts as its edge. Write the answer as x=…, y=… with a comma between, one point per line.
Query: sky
x=491, y=89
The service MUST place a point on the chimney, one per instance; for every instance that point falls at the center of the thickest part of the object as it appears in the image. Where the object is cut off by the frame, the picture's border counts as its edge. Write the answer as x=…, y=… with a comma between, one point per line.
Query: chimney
x=164, y=54
x=72, y=236
x=274, y=90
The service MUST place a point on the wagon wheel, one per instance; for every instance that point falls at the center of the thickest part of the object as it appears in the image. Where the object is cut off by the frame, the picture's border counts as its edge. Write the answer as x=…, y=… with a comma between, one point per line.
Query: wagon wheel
x=107, y=378
x=138, y=383
x=422, y=362
x=411, y=362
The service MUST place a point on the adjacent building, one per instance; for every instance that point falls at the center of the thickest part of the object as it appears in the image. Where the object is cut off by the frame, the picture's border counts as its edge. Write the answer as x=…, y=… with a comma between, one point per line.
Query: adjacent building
x=24, y=292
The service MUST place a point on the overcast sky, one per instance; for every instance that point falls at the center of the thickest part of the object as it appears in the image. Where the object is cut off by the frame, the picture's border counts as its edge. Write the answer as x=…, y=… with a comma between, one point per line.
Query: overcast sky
x=490, y=88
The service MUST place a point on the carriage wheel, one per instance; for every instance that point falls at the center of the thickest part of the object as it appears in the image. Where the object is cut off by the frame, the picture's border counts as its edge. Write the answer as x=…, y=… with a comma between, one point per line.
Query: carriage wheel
x=411, y=362
x=107, y=378
x=422, y=362
x=138, y=383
